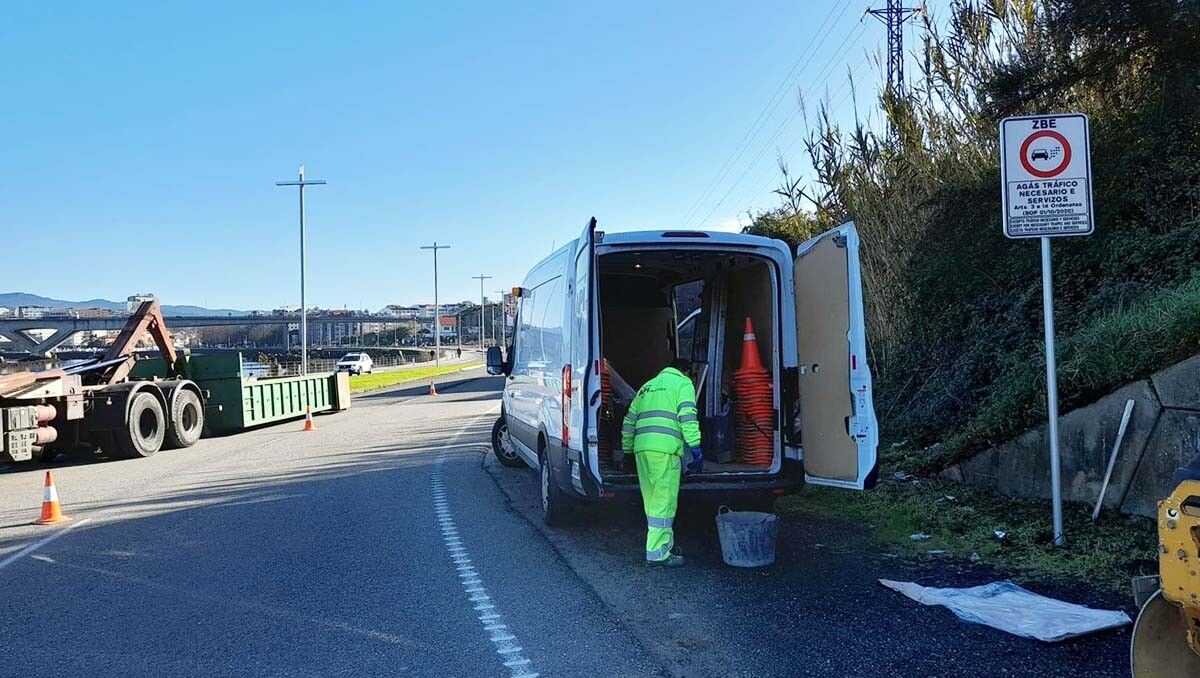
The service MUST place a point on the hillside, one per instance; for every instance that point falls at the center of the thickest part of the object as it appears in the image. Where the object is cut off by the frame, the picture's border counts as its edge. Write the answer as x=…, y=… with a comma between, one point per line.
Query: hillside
x=14, y=299
x=954, y=308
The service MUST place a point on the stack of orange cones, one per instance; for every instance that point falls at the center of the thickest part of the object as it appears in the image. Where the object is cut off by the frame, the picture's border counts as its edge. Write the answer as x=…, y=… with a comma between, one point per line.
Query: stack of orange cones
x=754, y=410
x=604, y=439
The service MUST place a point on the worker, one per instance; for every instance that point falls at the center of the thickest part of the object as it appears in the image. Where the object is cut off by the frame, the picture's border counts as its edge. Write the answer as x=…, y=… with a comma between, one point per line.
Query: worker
x=660, y=425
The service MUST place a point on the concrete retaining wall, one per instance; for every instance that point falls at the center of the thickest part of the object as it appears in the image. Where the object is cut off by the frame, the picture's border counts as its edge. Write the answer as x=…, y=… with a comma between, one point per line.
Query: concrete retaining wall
x=1163, y=434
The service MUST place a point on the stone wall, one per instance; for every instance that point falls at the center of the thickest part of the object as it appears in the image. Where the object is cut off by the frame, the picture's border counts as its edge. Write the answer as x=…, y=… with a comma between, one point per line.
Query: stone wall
x=1163, y=434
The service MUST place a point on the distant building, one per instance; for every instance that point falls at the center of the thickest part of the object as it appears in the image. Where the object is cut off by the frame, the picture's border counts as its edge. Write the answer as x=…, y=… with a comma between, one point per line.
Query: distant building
x=5, y=311
x=33, y=312
x=134, y=302
x=403, y=312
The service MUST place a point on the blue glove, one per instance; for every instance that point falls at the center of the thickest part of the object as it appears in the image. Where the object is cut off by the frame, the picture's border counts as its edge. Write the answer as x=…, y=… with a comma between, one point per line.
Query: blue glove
x=696, y=465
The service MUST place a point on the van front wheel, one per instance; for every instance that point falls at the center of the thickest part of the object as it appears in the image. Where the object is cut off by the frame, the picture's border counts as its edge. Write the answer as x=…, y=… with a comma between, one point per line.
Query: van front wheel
x=504, y=450
x=554, y=503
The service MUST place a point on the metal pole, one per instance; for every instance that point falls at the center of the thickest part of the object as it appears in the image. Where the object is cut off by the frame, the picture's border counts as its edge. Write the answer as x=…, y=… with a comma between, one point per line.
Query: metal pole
x=482, y=308
x=1052, y=393
x=437, y=309
x=502, y=315
x=303, y=271
x=301, y=183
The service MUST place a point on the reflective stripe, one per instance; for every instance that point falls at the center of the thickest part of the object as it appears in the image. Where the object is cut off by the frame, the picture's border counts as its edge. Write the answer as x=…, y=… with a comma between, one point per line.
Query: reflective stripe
x=660, y=554
x=661, y=523
x=628, y=429
x=686, y=404
x=662, y=430
x=656, y=413
x=749, y=337
x=687, y=418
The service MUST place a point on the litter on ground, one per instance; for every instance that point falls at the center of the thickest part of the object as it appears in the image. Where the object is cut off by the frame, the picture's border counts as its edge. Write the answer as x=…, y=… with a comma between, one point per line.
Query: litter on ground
x=1004, y=605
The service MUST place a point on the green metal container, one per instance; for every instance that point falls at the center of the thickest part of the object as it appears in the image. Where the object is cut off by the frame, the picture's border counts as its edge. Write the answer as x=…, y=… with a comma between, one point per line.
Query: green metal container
x=237, y=402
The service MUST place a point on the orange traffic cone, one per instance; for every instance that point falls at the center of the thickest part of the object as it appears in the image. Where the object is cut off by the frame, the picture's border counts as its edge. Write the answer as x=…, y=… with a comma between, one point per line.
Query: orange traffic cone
x=754, y=410
x=308, y=420
x=51, y=510
x=432, y=387
x=750, y=357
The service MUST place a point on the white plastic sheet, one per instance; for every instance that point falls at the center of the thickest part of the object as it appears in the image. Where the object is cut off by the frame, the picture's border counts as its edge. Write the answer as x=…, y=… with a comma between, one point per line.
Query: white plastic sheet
x=1008, y=607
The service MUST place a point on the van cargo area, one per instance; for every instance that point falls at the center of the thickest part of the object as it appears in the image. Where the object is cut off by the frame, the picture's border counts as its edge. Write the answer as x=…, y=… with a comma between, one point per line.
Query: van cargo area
x=657, y=305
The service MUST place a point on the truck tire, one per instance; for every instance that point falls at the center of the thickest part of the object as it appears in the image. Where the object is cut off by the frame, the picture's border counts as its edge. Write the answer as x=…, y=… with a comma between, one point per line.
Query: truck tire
x=555, y=510
x=145, y=428
x=187, y=419
x=509, y=456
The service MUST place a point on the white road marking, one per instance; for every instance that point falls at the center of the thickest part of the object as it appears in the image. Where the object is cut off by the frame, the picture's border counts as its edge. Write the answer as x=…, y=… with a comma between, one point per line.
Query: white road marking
x=40, y=543
x=502, y=638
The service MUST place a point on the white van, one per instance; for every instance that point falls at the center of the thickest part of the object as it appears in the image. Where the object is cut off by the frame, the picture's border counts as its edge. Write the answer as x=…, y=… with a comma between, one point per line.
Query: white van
x=604, y=313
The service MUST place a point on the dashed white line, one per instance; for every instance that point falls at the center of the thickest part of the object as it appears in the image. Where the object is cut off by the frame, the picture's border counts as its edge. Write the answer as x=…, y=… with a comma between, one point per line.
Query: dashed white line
x=504, y=641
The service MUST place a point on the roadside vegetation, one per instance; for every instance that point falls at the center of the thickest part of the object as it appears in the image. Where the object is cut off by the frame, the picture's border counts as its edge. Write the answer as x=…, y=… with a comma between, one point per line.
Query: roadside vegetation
x=953, y=520
x=378, y=380
x=954, y=308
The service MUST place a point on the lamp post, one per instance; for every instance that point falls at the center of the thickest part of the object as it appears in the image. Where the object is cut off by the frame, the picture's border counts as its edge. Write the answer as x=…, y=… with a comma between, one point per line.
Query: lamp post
x=302, y=182
x=437, y=309
x=482, y=307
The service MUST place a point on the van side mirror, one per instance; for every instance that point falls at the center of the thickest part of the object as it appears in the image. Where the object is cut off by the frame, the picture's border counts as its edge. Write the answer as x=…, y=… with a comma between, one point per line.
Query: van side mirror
x=495, y=362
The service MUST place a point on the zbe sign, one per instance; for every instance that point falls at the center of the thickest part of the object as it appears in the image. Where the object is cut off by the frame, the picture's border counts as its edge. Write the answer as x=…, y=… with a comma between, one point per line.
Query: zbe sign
x=1046, y=176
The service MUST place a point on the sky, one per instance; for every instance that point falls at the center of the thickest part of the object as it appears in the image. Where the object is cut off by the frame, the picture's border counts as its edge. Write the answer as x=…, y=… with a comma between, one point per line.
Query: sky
x=143, y=140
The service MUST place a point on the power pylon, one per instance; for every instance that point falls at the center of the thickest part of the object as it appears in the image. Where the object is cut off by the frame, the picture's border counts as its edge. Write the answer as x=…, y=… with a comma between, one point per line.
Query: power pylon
x=894, y=15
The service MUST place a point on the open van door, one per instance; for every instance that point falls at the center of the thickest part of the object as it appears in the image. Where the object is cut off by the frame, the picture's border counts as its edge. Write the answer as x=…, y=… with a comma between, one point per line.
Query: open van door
x=586, y=355
x=838, y=430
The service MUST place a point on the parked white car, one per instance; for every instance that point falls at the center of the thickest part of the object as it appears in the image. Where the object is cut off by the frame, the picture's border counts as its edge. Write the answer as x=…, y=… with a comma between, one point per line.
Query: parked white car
x=356, y=363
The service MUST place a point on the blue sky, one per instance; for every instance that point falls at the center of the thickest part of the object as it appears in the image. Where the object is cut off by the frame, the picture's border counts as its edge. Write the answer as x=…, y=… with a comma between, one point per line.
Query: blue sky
x=155, y=132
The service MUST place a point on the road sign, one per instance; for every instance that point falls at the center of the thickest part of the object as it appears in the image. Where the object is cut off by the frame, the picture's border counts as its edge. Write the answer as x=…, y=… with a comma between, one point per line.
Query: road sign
x=1046, y=176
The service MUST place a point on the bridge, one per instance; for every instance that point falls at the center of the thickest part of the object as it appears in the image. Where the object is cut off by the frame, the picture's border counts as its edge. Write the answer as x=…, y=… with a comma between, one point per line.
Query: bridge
x=16, y=330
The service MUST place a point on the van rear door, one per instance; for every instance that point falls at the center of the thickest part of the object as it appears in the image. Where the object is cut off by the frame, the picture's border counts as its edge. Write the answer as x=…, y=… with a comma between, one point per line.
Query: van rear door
x=838, y=430
x=585, y=341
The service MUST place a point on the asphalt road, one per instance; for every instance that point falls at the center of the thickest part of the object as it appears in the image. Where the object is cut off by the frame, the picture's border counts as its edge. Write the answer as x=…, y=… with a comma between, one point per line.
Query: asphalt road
x=388, y=542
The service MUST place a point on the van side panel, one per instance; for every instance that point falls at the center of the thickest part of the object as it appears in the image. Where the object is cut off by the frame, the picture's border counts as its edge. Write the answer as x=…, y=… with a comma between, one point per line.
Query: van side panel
x=540, y=344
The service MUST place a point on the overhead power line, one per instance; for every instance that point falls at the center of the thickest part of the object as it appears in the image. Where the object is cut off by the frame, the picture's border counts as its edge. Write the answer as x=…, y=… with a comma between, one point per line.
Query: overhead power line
x=767, y=111
x=835, y=55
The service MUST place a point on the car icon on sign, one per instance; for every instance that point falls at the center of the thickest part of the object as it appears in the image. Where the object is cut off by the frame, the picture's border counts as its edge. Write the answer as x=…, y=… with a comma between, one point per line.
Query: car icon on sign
x=1040, y=154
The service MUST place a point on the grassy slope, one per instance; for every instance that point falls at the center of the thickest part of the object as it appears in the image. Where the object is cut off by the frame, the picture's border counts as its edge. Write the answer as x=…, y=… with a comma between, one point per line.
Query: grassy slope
x=1124, y=345
x=378, y=380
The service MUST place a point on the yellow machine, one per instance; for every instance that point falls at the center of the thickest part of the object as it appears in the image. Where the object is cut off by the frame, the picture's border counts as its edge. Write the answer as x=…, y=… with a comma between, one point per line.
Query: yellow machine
x=1166, y=637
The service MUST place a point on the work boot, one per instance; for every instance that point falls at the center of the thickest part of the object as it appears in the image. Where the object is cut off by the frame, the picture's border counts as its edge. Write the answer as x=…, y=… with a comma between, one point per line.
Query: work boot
x=670, y=561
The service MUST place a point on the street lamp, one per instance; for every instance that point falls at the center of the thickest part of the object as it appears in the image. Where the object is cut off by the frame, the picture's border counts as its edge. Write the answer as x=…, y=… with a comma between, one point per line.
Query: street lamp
x=437, y=309
x=301, y=182
x=483, y=306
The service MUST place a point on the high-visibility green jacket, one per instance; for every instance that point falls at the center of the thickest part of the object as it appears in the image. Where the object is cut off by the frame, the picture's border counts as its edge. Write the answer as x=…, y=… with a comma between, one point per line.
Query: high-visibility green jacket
x=662, y=417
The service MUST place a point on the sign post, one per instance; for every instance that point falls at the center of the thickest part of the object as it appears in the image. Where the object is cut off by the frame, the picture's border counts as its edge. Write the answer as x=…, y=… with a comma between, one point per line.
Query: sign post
x=1046, y=192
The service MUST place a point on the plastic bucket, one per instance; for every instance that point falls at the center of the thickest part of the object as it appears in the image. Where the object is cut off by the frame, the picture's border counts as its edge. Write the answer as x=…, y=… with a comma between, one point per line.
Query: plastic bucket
x=747, y=537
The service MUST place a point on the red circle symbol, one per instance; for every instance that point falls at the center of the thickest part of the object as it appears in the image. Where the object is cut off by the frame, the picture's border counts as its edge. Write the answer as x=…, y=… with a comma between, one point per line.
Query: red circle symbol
x=1054, y=171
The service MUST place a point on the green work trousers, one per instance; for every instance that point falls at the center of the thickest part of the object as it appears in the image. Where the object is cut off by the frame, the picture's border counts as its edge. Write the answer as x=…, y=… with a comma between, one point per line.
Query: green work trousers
x=658, y=476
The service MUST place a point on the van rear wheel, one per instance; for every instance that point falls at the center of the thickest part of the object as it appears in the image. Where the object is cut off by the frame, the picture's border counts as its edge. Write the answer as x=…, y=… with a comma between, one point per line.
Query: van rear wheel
x=554, y=502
